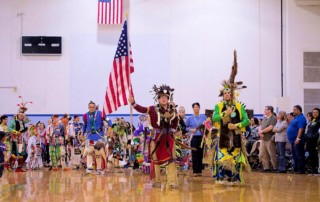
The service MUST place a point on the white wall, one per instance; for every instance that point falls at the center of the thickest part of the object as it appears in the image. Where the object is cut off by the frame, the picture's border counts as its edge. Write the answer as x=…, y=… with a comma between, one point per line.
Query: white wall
x=185, y=43
x=302, y=34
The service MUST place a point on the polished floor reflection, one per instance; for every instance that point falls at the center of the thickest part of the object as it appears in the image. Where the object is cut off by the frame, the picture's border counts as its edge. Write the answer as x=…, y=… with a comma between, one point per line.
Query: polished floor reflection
x=129, y=185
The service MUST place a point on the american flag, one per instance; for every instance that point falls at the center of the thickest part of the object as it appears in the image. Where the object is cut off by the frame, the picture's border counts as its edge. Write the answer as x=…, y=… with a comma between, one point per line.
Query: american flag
x=119, y=87
x=109, y=11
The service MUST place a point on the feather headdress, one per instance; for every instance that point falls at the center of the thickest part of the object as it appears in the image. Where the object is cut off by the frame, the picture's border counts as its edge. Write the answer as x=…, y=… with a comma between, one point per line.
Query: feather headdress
x=162, y=90
x=23, y=105
x=231, y=85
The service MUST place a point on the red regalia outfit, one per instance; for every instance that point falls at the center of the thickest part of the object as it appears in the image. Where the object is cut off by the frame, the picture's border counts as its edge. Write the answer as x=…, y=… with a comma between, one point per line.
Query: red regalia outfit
x=162, y=151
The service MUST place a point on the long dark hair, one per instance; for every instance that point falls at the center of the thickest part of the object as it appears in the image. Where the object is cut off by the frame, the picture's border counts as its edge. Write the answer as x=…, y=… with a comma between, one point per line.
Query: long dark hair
x=317, y=109
x=3, y=117
x=310, y=114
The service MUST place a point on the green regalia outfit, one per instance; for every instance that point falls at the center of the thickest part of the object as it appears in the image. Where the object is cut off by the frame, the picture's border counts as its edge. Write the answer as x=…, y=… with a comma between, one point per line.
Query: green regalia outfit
x=230, y=156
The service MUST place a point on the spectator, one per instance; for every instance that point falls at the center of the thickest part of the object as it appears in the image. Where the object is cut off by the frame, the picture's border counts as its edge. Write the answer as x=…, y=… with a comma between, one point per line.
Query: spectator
x=297, y=140
x=289, y=118
x=268, y=147
x=194, y=124
x=253, y=136
x=312, y=136
x=254, y=127
x=4, y=123
x=3, y=152
x=309, y=120
x=318, y=147
x=281, y=140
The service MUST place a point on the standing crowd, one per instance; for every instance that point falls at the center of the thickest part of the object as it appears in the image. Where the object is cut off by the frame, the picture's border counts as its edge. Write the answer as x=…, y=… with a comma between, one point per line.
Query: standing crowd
x=225, y=140
x=287, y=141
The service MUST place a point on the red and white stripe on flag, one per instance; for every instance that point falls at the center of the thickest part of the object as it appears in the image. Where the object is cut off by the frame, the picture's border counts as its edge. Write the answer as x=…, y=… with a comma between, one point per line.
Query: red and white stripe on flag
x=119, y=86
x=109, y=11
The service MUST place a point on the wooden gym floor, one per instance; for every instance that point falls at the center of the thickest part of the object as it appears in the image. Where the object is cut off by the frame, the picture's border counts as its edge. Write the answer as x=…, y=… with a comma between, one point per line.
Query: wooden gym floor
x=129, y=185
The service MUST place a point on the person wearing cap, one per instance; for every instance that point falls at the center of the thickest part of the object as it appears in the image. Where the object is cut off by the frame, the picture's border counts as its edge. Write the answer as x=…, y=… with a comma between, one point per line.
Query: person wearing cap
x=164, y=120
x=231, y=119
x=93, y=131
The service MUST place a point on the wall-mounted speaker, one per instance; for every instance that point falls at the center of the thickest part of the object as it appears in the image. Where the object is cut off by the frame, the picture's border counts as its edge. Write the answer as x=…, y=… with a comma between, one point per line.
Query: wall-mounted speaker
x=46, y=45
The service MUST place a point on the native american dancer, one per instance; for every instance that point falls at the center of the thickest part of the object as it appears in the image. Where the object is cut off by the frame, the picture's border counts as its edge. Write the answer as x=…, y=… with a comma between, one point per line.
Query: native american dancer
x=67, y=141
x=75, y=133
x=44, y=144
x=17, y=129
x=95, y=140
x=209, y=140
x=164, y=121
x=34, y=160
x=138, y=144
x=57, y=150
x=121, y=130
x=118, y=149
x=182, y=136
x=231, y=119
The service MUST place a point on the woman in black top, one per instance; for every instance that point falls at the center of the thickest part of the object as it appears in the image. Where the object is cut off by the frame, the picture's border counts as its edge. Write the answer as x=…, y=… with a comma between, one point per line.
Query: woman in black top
x=312, y=135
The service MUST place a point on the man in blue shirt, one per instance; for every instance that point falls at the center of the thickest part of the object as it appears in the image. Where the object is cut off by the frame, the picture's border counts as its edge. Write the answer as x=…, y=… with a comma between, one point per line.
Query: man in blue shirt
x=194, y=124
x=295, y=136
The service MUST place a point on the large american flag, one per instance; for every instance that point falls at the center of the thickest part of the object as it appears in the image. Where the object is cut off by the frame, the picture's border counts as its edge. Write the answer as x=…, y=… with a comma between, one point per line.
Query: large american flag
x=119, y=87
x=109, y=11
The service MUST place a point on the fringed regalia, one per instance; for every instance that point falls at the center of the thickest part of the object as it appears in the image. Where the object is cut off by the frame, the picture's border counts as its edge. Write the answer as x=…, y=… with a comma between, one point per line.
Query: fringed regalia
x=230, y=118
x=230, y=156
x=161, y=150
x=17, y=130
x=95, y=141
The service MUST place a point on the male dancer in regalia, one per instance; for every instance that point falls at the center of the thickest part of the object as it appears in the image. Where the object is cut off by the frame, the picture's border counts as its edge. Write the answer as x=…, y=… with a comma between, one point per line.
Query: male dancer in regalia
x=94, y=133
x=231, y=119
x=17, y=129
x=164, y=120
x=56, y=136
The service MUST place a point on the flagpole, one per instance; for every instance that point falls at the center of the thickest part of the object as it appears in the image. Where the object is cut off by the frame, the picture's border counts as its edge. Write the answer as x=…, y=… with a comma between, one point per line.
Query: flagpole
x=130, y=87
